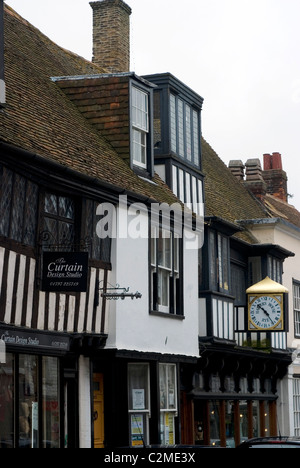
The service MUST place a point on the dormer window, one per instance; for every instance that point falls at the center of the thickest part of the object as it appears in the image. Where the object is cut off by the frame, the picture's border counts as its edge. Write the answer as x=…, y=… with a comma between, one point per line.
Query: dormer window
x=140, y=126
x=120, y=106
x=177, y=139
x=177, y=121
x=185, y=130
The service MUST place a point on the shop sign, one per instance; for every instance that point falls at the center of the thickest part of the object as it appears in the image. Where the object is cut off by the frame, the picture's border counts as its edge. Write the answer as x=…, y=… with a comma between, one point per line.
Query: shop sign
x=65, y=272
x=31, y=339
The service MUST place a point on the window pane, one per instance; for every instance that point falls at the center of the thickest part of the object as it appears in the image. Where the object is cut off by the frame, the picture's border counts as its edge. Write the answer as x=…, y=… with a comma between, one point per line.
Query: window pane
x=66, y=234
x=176, y=253
x=225, y=263
x=140, y=109
x=297, y=309
x=5, y=200
x=153, y=246
x=66, y=208
x=90, y=230
x=188, y=190
x=175, y=181
x=51, y=232
x=51, y=425
x=267, y=419
x=244, y=423
x=213, y=259
x=172, y=404
x=200, y=198
x=220, y=259
x=163, y=386
x=164, y=252
x=30, y=218
x=188, y=129
x=297, y=322
x=138, y=387
x=180, y=128
x=18, y=203
x=167, y=429
x=163, y=287
x=139, y=429
x=18, y=207
x=7, y=403
x=256, y=419
x=195, y=195
x=58, y=232
x=181, y=186
x=173, y=125
x=215, y=437
x=139, y=148
x=28, y=402
x=230, y=427
x=157, y=120
x=51, y=204
x=167, y=386
x=196, y=138
x=200, y=191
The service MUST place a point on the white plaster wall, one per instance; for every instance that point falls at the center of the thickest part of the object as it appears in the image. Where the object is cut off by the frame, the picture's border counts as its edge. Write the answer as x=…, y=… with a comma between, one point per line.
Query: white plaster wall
x=131, y=326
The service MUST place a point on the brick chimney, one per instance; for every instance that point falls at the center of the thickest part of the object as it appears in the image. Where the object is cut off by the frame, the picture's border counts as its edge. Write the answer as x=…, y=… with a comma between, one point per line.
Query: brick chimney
x=275, y=177
x=111, y=35
x=2, y=80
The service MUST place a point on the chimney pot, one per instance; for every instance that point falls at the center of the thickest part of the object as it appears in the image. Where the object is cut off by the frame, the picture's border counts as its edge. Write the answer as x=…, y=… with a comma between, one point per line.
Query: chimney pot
x=267, y=162
x=277, y=162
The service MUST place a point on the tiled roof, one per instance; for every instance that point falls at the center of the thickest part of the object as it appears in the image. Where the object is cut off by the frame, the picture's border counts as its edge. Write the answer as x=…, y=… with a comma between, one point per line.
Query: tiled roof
x=225, y=196
x=228, y=198
x=41, y=119
x=280, y=209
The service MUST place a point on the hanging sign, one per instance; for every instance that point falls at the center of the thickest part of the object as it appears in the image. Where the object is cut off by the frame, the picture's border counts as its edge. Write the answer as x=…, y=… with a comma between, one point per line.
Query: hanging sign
x=65, y=272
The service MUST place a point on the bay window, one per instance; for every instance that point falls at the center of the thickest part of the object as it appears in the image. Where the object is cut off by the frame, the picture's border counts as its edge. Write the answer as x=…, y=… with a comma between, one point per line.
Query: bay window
x=219, y=262
x=177, y=121
x=189, y=189
x=184, y=130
